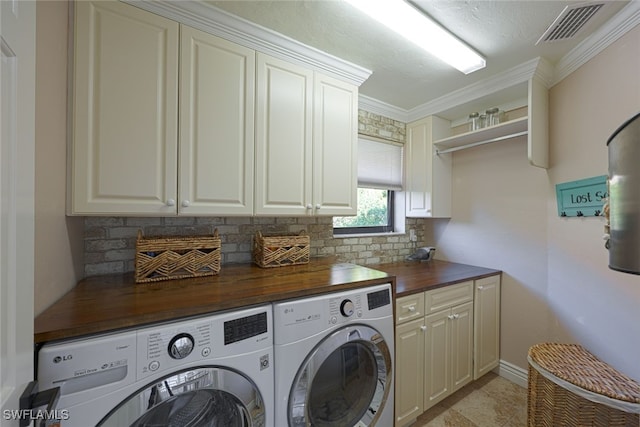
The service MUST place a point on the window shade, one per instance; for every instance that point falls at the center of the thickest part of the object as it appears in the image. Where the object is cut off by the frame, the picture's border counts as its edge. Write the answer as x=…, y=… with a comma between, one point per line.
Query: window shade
x=379, y=164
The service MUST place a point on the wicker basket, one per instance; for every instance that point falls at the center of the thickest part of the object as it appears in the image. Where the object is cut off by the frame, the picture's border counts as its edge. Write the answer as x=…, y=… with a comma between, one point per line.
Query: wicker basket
x=278, y=251
x=166, y=258
x=568, y=386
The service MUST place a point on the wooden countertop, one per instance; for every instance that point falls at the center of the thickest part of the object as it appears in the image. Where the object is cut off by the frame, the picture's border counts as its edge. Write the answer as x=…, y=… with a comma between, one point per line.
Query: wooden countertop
x=105, y=303
x=413, y=277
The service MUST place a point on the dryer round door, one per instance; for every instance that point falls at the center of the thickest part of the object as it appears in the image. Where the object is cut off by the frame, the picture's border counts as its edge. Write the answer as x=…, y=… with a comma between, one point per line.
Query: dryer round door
x=344, y=381
x=202, y=397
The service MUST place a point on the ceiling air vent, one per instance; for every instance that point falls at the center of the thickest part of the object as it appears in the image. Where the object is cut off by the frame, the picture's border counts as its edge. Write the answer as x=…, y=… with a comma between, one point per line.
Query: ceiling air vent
x=569, y=22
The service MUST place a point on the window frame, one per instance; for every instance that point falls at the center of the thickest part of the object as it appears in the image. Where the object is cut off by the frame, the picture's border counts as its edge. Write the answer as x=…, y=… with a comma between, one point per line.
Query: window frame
x=389, y=228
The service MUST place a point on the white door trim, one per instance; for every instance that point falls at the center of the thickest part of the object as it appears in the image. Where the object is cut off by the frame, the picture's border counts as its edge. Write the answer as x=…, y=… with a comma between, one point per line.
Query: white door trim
x=17, y=193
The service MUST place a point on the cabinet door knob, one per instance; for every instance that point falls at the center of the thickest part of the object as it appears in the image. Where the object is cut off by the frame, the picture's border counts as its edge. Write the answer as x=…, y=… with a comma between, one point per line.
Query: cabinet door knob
x=171, y=202
x=318, y=206
x=309, y=206
x=450, y=317
x=455, y=316
x=480, y=287
x=185, y=203
x=423, y=328
x=411, y=308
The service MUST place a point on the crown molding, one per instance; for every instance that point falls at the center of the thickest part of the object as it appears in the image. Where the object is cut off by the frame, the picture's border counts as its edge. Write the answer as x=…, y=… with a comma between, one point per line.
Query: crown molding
x=538, y=67
x=518, y=74
x=612, y=30
x=213, y=20
x=624, y=21
x=374, y=106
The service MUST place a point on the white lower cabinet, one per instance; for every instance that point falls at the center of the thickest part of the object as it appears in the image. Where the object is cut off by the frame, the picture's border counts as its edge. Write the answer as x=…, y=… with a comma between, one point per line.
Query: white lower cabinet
x=448, y=346
x=486, y=325
x=409, y=359
x=445, y=338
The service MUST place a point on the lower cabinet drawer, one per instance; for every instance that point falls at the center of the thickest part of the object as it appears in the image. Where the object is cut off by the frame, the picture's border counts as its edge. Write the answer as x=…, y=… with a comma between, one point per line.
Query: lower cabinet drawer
x=409, y=307
x=447, y=297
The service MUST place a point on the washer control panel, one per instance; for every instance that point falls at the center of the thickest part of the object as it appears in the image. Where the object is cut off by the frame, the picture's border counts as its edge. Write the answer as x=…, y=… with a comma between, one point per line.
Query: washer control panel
x=181, y=346
x=344, y=307
x=169, y=346
x=298, y=319
x=347, y=308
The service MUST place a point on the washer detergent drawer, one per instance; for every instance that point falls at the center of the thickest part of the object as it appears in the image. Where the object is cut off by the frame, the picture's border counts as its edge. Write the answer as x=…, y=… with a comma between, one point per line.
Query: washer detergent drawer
x=85, y=369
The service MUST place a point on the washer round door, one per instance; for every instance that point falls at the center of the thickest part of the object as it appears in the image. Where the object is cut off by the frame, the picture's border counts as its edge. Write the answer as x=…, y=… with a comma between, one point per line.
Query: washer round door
x=201, y=397
x=343, y=382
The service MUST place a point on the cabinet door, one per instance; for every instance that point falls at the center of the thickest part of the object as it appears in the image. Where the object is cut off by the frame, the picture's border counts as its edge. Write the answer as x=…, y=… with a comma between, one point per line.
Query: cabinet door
x=283, y=138
x=437, y=358
x=216, y=125
x=486, y=347
x=335, y=131
x=461, y=345
x=409, y=378
x=124, y=149
x=427, y=179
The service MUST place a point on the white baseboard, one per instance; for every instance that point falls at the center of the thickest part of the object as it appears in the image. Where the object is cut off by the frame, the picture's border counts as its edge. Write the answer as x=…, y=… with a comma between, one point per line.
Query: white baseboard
x=513, y=373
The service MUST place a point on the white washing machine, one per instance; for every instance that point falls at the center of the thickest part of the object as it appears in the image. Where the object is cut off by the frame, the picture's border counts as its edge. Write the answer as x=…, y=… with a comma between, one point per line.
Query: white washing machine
x=334, y=359
x=215, y=370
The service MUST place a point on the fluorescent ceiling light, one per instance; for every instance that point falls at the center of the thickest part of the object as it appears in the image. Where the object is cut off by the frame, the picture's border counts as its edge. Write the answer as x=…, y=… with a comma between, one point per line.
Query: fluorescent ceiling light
x=409, y=22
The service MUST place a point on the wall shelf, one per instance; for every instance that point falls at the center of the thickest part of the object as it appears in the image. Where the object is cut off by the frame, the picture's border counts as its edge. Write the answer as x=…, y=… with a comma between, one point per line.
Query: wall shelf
x=535, y=126
x=500, y=132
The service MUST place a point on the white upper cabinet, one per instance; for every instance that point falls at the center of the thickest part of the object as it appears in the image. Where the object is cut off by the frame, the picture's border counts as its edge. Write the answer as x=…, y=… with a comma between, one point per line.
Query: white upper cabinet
x=124, y=143
x=216, y=125
x=335, y=136
x=284, y=114
x=306, y=141
x=172, y=120
x=427, y=176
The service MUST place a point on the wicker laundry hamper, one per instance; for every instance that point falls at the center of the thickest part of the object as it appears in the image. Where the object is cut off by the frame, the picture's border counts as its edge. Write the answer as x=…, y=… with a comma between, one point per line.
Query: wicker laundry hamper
x=568, y=386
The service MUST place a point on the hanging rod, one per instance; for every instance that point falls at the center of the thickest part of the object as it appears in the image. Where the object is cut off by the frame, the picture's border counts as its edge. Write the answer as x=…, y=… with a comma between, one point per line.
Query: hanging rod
x=488, y=141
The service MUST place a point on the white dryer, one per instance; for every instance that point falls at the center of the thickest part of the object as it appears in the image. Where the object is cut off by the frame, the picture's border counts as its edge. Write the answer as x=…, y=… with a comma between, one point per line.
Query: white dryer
x=215, y=370
x=334, y=359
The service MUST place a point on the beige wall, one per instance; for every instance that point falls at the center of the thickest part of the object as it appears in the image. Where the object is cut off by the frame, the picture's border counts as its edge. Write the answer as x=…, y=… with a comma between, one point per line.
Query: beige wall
x=58, y=243
x=556, y=284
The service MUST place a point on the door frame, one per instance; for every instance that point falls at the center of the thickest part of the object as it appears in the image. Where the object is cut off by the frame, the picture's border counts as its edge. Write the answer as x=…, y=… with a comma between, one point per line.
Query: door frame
x=17, y=194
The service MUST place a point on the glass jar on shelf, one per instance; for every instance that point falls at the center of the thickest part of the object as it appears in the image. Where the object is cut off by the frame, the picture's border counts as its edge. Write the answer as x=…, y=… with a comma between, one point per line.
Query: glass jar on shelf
x=474, y=121
x=494, y=116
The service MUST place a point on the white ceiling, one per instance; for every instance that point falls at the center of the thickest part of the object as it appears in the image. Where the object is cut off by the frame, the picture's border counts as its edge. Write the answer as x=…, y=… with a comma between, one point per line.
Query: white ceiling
x=404, y=76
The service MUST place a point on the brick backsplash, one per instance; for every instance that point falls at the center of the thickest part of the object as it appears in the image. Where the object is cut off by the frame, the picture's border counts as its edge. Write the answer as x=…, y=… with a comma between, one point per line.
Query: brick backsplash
x=372, y=124
x=110, y=242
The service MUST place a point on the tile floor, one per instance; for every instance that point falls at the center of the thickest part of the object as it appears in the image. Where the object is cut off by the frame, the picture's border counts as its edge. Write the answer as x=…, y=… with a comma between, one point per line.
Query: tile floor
x=491, y=401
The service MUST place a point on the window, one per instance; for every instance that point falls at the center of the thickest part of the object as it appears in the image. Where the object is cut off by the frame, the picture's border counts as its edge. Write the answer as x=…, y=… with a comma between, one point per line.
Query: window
x=375, y=213
x=379, y=175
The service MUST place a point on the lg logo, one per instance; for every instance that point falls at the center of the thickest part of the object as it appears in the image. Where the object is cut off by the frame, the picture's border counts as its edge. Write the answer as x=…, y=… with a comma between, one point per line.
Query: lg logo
x=59, y=359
